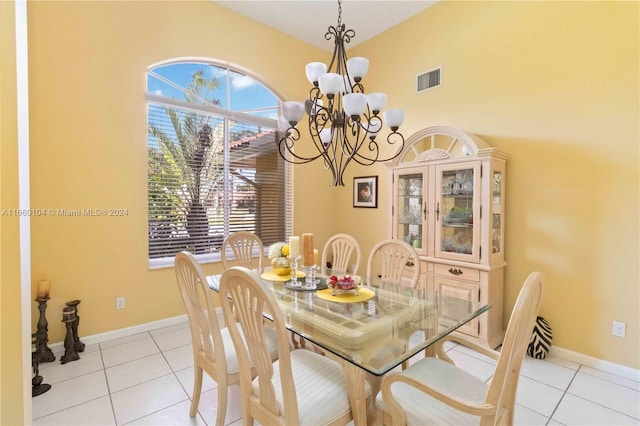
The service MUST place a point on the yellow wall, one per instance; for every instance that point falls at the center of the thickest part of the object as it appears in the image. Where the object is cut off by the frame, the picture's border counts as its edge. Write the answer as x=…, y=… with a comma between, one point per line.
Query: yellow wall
x=553, y=84
x=11, y=389
x=89, y=142
x=556, y=86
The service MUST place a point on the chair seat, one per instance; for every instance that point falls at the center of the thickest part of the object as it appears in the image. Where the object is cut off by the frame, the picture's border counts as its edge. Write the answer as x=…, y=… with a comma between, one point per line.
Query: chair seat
x=230, y=352
x=321, y=389
x=421, y=409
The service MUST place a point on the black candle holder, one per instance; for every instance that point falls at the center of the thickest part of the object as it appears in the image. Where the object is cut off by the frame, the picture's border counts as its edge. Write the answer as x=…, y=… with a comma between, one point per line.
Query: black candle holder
x=69, y=318
x=37, y=387
x=77, y=344
x=43, y=352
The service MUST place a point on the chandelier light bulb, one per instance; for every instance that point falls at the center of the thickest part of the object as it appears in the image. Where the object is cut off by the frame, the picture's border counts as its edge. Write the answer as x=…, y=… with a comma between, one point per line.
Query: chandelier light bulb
x=315, y=70
x=293, y=111
x=283, y=124
x=325, y=136
x=376, y=102
x=357, y=68
x=354, y=104
x=394, y=118
x=315, y=107
x=373, y=127
x=330, y=84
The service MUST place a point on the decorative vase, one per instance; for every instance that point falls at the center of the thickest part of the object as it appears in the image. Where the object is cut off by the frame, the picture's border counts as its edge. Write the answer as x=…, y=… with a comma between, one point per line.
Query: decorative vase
x=281, y=265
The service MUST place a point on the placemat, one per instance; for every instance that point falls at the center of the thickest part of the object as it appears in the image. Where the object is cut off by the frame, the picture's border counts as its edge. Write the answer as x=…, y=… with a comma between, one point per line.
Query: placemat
x=272, y=276
x=365, y=294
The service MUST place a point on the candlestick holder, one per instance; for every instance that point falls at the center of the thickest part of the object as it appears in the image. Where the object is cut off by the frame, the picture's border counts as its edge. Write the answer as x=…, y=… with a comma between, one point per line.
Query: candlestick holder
x=294, y=271
x=42, y=333
x=37, y=387
x=69, y=318
x=77, y=344
x=310, y=281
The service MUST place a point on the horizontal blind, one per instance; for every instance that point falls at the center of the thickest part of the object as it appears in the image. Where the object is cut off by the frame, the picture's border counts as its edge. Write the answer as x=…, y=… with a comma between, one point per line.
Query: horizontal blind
x=205, y=184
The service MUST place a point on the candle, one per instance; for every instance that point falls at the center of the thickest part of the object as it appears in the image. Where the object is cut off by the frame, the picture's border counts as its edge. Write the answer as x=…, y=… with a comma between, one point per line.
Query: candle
x=294, y=246
x=307, y=249
x=315, y=257
x=43, y=289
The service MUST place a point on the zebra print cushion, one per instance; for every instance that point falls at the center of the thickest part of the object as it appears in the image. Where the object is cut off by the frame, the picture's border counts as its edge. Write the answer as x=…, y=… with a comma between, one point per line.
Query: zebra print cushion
x=541, y=337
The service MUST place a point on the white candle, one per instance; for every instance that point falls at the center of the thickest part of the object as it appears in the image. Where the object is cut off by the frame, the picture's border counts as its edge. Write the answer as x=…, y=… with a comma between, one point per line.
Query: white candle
x=294, y=246
x=43, y=289
x=307, y=249
x=315, y=257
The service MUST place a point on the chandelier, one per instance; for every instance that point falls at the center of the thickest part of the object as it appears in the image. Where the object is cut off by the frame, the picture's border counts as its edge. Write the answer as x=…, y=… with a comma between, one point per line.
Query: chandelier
x=343, y=120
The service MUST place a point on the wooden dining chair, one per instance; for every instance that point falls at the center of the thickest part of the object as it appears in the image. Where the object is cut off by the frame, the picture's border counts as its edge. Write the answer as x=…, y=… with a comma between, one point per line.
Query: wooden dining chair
x=213, y=349
x=301, y=387
x=435, y=391
x=396, y=263
x=340, y=250
x=243, y=245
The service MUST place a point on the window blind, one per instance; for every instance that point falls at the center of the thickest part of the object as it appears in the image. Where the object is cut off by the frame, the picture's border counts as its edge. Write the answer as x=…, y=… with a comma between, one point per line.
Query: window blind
x=209, y=176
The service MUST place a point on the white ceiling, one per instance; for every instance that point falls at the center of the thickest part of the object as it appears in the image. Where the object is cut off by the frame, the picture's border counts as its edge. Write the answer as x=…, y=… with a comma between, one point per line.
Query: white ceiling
x=308, y=20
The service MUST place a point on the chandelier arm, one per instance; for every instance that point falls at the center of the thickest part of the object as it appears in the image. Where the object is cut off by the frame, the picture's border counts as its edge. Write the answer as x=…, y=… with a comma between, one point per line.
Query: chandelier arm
x=286, y=145
x=393, y=138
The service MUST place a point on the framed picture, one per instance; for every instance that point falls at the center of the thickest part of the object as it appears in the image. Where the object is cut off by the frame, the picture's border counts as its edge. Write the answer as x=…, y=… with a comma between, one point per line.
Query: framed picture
x=365, y=191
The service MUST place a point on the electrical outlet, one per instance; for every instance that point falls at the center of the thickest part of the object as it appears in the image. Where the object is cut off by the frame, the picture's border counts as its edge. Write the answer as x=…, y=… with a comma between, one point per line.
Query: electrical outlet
x=618, y=329
x=119, y=302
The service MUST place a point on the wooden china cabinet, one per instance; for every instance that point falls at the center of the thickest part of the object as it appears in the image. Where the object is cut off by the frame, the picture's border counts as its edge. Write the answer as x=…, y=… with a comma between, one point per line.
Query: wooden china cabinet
x=448, y=203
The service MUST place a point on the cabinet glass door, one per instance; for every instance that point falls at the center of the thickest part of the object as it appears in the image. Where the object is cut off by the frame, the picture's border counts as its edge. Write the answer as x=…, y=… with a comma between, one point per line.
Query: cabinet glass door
x=458, y=212
x=496, y=212
x=410, y=208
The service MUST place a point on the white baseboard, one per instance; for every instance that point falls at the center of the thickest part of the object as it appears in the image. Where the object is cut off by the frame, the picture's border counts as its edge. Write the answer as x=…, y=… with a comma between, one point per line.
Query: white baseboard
x=124, y=332
x=598, y=364
x=589, y=361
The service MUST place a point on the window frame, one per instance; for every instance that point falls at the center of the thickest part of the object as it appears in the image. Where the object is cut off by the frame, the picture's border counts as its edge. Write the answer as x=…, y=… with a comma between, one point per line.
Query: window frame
x=226, y=115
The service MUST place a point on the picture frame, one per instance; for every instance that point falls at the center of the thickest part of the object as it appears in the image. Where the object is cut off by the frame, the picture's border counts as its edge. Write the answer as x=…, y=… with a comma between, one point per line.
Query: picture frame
x=365, y=191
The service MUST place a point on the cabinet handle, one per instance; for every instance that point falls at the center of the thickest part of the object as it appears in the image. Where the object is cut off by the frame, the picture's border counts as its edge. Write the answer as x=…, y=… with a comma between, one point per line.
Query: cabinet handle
x=455, y=271
x=409, y=263
x=438, y=210
x=425, y=210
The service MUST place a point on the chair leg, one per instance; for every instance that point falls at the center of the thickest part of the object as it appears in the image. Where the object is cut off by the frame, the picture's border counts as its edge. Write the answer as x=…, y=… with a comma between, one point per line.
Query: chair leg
x=197, y=388
x=223, y=391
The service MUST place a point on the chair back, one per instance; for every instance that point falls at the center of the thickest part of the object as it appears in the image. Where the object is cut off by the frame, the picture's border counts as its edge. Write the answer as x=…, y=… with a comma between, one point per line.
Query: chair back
x=396, y=262
x=502, y=390
x=341, y=247
x=201, y=311
x=243, y=244
x=245, y=299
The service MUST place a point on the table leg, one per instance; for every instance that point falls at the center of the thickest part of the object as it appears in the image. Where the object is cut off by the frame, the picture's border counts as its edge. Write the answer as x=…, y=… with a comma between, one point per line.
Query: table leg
x=355, y=377
x=375, y=383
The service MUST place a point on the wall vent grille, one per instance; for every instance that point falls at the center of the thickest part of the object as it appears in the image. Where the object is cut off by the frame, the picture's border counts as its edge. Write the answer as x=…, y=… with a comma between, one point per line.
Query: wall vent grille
x=429, y=80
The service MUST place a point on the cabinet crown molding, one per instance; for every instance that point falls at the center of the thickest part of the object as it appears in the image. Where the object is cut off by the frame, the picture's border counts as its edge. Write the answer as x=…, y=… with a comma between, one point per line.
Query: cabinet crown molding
x=442, y=142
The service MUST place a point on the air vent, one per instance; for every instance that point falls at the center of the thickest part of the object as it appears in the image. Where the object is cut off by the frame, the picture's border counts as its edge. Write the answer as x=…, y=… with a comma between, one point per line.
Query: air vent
x=429, y=80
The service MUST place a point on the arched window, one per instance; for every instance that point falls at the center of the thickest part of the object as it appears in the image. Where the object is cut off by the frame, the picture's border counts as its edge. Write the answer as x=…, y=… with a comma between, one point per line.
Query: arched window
x=213, y=165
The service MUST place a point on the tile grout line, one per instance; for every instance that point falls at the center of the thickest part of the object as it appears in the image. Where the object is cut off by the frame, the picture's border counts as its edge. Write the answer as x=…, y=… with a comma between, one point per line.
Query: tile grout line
x=104, y=371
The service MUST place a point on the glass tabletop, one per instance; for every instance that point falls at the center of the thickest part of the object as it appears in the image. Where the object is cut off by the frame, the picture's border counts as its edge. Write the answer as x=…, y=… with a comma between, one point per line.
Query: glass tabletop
x=378, y=329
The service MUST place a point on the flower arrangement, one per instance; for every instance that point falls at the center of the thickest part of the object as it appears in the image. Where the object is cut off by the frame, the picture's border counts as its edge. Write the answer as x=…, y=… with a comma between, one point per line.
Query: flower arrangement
x=279, y=249
x=344, y=282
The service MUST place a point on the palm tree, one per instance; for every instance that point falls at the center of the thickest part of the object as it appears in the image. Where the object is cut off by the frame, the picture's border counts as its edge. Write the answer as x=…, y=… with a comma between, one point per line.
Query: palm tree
x=184, y=171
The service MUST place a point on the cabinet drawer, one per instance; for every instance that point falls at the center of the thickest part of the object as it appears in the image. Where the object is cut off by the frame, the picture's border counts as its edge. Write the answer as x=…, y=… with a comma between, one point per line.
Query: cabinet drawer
x=449, y=271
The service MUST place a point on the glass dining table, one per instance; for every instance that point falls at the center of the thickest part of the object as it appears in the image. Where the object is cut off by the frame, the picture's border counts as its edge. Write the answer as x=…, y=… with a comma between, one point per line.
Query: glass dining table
x=369, y=333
